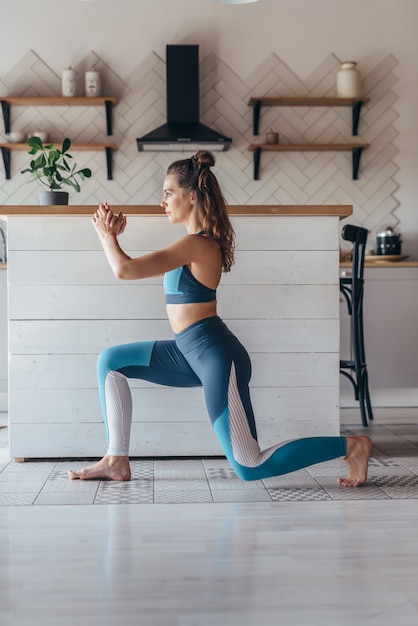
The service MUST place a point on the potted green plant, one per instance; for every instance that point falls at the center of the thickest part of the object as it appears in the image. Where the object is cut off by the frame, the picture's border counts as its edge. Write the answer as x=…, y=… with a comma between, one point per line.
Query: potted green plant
x=52, y=168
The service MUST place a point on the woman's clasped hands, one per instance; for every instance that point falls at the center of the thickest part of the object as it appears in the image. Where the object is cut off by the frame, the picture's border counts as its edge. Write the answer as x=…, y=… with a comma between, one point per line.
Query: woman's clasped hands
x=107, y=223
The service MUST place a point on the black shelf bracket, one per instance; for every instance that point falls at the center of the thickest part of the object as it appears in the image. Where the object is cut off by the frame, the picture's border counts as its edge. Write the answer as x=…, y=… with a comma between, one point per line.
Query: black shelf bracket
x=109, y=163
x=356, y=161
x=7, y=161
x=256, y=116
x=257, y=157
x=109, y=110
x=6, y=115
x=356, y=116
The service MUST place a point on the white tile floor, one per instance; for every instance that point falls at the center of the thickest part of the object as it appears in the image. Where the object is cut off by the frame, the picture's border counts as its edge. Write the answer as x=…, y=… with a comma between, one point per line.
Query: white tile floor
x=183, y=557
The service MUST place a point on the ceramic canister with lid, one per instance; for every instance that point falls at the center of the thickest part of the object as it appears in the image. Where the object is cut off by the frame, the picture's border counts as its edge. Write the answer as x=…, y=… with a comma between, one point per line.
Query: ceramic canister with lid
x=69, y=82
x=92, y=84
x=348, y=81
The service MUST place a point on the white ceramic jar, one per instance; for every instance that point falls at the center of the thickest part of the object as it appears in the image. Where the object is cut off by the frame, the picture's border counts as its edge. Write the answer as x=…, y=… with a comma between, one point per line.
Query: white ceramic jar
x=69, y=83
x=348, y=81
x=92, y=84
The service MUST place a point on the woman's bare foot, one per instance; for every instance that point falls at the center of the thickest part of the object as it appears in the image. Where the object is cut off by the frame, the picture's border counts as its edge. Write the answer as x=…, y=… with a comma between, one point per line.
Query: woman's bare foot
x=110, y=467
x=357, y=459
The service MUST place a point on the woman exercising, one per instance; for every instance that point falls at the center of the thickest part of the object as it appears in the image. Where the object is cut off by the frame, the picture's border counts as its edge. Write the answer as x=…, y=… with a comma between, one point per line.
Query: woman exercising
x=204, y=352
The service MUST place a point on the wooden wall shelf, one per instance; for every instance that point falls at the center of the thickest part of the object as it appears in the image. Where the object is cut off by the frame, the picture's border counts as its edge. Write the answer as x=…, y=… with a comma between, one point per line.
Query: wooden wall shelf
x=293, y=101
x=308, y=101
x=33, y=101
x=355, y=148
x=36, y=101
x=108, y=148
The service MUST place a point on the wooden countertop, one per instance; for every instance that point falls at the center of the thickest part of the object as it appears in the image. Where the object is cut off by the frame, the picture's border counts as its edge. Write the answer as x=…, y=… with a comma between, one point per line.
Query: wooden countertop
x=385, y=264
x=341, y=211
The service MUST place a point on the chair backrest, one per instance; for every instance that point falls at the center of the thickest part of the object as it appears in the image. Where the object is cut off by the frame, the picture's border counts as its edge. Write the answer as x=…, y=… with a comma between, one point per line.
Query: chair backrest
x=358, y=236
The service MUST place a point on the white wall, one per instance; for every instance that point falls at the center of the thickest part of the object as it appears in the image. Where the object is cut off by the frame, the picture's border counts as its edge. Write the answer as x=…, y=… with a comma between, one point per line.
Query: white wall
x=302, y=33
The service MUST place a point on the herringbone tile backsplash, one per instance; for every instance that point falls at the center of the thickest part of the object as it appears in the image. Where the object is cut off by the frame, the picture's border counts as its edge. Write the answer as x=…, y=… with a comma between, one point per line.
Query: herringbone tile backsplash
x=285, y=178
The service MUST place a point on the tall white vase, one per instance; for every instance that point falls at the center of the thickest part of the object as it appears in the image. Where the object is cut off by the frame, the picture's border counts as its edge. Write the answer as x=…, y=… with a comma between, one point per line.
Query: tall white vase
x=348, y=81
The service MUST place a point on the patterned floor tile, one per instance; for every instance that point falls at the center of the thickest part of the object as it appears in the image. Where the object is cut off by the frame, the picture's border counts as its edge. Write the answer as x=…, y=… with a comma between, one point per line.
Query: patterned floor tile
x=297, y=480
x=240, y=495
x=398, y=487
x=383, y=461
x=298, y=495
x=28, y=469
x=65, y=485
x=21, y=486
x=62, y=497
x=132, y=492
x=16, y=499
x=366, y=492
x=219, y=484
x=393, y=474
x=182, y=490
x=142, y=469
x=196, y=496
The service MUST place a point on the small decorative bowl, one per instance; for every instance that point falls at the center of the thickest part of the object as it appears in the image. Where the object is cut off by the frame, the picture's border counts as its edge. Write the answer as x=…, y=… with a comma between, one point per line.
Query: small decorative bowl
x=41, y=134
x=16, y=137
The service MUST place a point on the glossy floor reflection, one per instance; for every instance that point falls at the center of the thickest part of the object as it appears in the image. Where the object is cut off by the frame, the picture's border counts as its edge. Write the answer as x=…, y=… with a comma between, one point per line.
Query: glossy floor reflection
x=246, y=564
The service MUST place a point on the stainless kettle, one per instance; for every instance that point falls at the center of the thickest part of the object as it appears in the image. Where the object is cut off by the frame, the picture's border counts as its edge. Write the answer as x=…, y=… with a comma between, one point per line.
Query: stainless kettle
x=388, y=242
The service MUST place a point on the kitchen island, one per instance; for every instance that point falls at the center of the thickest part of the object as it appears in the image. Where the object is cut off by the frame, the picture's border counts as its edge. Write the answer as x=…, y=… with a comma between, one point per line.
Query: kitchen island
x=65, y=306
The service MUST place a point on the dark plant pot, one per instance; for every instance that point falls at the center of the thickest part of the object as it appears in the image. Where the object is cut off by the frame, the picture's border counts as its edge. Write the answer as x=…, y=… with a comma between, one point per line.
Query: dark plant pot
x=53, y=197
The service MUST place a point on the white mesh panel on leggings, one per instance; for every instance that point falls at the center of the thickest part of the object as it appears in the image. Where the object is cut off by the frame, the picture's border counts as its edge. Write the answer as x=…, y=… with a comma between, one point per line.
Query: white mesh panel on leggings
x=119, y=413
x=245, y=448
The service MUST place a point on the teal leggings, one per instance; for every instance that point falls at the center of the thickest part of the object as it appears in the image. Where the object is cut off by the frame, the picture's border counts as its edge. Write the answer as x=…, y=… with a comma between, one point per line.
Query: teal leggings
x=205, y=354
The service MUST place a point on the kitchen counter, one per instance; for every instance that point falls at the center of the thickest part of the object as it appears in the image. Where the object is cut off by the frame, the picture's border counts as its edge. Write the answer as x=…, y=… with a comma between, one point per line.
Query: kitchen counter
x=341, y=211
x=383, y=263
x=65, y=306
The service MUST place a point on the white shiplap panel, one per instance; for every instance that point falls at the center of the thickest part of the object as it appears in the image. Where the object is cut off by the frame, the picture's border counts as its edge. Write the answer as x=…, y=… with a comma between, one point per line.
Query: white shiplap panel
x=126, y=301
x=251, y=267
x=287, y=335
x=264, y=232
x=281, y=299
x=284, y=267
x=131, y=301
x=81, y=336
x=79, y=371
x=166, y=404
x=60, y=232
x=192, y=439
x=278, y=301
x=88, y=440
x=153, y=403
x=259, y=232
x=92, y=336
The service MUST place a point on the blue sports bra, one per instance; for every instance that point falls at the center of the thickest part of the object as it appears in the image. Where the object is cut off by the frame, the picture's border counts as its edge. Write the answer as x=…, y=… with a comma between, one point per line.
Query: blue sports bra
x=181, y=287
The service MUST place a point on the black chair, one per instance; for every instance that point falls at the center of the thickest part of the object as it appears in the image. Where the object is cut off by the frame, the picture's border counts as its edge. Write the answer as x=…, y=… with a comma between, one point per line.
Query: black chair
x=352, y=288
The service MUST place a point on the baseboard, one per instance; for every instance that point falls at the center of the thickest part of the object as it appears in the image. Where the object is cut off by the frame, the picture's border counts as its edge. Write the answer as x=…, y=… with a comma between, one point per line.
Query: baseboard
x=384, y=398
x=382, y=416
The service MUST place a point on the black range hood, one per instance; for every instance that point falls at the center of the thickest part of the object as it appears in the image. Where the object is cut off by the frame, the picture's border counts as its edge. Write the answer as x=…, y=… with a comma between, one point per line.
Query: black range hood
x=183, y=131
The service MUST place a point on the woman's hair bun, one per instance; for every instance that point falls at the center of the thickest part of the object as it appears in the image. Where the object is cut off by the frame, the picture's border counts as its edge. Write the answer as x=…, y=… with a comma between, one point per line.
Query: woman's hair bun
x=204, y=158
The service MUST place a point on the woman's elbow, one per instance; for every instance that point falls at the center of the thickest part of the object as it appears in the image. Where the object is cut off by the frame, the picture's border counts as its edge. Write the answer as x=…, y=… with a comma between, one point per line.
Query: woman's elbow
x=122, y=272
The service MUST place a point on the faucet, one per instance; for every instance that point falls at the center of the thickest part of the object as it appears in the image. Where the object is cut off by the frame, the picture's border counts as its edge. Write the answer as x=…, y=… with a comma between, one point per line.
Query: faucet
x=3, y=247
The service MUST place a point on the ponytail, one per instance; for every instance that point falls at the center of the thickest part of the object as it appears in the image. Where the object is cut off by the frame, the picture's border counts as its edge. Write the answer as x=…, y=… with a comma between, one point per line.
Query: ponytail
x=194, y=174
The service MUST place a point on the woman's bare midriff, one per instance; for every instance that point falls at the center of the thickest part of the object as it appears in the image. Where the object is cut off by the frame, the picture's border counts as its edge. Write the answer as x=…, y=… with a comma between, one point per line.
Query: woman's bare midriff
x=181, y=316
